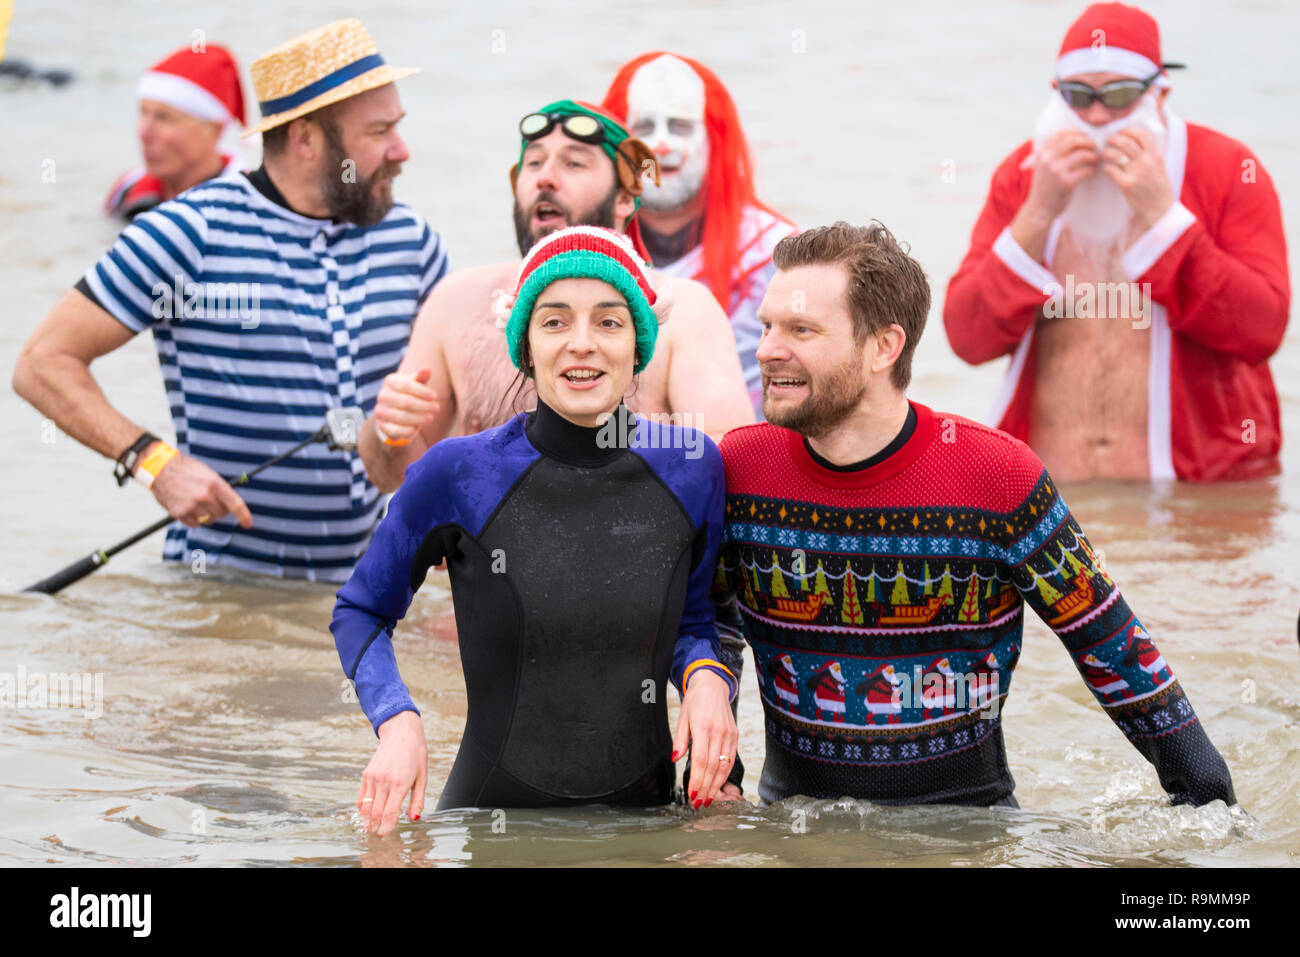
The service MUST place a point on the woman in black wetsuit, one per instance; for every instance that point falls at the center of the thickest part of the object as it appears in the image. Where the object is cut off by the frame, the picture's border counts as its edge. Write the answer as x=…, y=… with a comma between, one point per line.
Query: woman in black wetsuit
x=580, y=556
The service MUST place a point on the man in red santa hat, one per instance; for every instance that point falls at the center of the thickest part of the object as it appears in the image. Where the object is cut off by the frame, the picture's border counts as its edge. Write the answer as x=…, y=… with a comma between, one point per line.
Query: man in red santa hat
x=703, y=220
x=1134, y=267
x=187, y=101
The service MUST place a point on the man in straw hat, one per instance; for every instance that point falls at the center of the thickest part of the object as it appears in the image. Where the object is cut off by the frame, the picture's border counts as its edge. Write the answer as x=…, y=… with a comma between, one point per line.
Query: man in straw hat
x=273, y=297
x=577, y=165
x=1133, y=265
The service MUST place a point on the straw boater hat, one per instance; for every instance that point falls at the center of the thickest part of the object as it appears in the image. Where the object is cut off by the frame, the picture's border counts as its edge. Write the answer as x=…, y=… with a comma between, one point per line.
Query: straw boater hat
x=316, y=69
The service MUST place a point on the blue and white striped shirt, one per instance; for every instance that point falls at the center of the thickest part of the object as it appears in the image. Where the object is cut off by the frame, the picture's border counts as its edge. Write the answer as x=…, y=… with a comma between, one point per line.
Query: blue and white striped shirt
x=264, y=319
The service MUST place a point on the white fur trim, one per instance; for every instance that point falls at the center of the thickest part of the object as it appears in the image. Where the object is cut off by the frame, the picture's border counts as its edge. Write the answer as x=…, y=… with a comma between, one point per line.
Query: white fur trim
x=183, y=94
x=1104, y=59
x=1155, y=242
x=1019, y=262
x=1010, y=383
x=1160, y=440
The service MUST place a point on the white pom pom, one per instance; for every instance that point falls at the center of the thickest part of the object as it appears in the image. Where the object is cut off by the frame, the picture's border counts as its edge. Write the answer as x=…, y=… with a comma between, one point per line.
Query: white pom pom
x=502, y=303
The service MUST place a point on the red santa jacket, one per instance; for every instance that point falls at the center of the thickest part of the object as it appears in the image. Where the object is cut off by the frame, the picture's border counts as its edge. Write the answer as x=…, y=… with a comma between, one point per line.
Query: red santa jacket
x=1220, y=291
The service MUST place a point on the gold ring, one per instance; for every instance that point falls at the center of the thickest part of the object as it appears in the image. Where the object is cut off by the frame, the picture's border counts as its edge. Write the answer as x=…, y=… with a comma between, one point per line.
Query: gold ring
x=204, y=518
x=367, y=800
x=724, y=758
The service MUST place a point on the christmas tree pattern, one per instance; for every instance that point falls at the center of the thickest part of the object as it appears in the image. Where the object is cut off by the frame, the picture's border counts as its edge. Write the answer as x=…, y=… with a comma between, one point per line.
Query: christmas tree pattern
x=900, y=594
x=778, y=580
x=819, y=585
x=970, y=606
x=945, y=586
x=851, y=609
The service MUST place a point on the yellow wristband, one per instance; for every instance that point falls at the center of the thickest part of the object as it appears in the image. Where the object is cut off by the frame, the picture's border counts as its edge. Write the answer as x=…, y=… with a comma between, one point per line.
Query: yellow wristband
x=686, y=675
x=149, y=467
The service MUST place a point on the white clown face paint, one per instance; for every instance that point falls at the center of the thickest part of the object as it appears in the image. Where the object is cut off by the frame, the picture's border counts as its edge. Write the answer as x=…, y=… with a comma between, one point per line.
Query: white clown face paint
x=665, y=106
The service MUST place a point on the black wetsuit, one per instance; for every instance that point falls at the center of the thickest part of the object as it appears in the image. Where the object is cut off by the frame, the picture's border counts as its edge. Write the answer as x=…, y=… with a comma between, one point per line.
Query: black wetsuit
x=580, y=568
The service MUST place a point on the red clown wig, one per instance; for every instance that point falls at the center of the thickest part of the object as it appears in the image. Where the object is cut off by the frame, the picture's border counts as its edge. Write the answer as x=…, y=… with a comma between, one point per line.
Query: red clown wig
x=728, y=185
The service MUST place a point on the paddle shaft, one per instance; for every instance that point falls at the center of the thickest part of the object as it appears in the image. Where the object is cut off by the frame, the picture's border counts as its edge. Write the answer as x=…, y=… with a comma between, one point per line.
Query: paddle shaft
x=99, y=558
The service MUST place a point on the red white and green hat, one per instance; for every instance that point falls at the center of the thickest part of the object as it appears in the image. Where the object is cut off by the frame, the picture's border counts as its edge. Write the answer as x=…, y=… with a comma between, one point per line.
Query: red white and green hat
x=585, y=252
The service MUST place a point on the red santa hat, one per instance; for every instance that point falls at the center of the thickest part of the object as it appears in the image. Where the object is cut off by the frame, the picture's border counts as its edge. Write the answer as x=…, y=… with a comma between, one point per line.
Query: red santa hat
x=729, y=182
x=1112, y=38
x=204, y=85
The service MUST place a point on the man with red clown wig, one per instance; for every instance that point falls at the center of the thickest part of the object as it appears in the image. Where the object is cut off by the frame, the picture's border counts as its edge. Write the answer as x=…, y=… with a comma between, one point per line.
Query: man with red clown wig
x=703, y=220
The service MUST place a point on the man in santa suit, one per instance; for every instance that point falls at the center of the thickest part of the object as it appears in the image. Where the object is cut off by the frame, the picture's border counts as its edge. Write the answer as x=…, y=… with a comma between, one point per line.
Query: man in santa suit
x=703, y=220
x=187, y=101
x=1134, y=267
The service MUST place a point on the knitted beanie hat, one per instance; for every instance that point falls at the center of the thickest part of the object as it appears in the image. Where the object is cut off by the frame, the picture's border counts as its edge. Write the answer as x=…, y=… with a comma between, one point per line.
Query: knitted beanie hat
x=585, y=252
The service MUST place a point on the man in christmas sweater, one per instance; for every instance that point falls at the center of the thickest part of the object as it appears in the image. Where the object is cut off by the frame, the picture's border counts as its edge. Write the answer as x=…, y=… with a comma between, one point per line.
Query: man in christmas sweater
x=1133, y=266
x=702, y=220
x=879, y=556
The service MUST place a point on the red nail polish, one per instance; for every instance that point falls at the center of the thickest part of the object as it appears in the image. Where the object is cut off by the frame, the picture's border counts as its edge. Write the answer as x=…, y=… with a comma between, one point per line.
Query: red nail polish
x=674, y=755
x=708, y=802
x=416, y=818
x=697, y=805
x=693, y=793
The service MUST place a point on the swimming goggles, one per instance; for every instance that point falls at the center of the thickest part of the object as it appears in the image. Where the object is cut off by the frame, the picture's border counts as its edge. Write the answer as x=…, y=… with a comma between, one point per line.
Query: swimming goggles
x=1114, y=96
x=585, y=129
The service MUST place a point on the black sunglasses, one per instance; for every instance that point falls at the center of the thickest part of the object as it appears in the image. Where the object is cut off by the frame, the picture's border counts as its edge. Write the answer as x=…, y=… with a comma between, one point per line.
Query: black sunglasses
x=585, y=129
x=1114, y=96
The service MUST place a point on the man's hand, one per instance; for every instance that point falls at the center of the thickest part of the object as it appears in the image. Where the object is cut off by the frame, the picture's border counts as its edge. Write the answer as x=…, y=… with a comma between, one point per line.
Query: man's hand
x=707, y=724
x=1134, y=164
x=1065, y=160
x=196, y=495
x=730, y=793
x=399, y=767
x=404, y=406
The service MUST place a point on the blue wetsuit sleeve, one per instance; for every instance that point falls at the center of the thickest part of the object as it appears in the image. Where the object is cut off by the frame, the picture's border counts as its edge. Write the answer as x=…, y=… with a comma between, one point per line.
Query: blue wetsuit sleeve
x=697, y=637
x=379, y=593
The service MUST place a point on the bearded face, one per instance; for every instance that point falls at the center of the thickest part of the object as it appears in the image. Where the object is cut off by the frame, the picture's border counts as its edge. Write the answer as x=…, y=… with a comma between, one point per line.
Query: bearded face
x=665, y=105
x=813, y=403
x=364, y=202
x=547, y=215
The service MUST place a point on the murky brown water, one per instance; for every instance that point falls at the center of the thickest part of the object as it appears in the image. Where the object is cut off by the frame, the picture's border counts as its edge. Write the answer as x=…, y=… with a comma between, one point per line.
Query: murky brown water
x=225, y=738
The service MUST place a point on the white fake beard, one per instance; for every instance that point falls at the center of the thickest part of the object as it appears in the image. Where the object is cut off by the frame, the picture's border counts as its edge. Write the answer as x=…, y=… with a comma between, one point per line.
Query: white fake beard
x=1099, y=214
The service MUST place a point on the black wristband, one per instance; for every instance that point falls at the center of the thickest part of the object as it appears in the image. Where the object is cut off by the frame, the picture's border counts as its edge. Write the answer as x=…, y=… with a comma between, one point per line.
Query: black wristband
x=125, y=464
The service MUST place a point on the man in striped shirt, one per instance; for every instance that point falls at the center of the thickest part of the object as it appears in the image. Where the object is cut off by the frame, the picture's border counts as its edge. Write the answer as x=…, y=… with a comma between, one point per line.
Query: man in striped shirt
x=273, y=297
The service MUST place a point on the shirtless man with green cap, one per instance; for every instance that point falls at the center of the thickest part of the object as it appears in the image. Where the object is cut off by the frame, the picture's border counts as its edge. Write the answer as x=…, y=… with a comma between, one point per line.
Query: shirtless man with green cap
x=577, y=166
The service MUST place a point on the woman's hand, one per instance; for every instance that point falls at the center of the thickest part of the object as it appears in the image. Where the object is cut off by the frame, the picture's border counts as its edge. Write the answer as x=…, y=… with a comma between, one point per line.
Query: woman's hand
x=706, y=722
x=400, y=767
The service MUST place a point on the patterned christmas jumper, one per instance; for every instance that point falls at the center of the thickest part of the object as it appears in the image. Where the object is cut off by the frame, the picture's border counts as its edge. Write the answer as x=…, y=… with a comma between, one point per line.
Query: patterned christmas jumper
x=885, y=607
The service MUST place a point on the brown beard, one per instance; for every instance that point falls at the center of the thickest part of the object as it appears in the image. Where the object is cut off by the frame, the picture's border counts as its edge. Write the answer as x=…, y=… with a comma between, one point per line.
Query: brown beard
x=602, y=214
x=829, y=401
x=353, y=202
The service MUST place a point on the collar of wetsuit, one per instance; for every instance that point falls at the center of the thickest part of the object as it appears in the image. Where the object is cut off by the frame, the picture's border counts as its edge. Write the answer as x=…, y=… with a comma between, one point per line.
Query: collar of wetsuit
x=556, y=437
